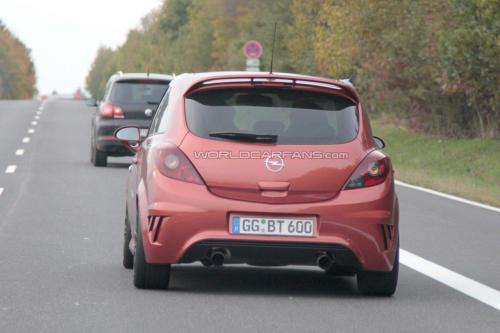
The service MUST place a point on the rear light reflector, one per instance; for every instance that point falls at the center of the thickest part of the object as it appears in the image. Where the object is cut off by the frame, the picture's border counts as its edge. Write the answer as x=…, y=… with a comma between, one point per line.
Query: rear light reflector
x=108, y=110
x=372, y=171
x=172, y=163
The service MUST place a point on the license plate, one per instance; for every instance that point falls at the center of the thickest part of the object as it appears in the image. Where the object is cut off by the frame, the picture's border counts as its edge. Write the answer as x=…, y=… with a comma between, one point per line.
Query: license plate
x=258, y=225
x=143, y=132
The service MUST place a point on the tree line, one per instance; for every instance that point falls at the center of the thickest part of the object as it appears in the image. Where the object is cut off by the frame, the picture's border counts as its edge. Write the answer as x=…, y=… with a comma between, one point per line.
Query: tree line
x=431, y=65
x=17, y=72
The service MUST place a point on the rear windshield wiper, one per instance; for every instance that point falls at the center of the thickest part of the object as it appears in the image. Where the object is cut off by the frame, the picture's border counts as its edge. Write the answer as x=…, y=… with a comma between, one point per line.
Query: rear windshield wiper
x=249, y=137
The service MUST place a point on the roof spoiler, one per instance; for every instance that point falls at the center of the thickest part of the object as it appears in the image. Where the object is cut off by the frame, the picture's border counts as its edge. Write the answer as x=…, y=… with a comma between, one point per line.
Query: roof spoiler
x=290, y=81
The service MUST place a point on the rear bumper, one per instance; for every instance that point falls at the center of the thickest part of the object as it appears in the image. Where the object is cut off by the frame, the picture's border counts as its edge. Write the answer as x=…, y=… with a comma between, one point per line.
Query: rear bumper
x=104, y=130
x=271, y=253
x=360, y=226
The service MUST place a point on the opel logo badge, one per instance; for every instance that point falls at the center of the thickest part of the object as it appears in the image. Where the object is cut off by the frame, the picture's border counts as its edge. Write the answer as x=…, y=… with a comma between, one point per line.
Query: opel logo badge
x=274, y=164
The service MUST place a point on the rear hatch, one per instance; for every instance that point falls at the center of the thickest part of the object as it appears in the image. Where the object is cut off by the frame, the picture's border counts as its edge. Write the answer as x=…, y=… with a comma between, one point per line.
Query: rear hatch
x=272, y=145
x=134, y=96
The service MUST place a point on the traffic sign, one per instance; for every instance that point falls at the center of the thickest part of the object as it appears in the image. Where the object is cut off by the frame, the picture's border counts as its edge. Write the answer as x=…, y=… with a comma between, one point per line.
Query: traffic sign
x=252, y=49
x=253, y=65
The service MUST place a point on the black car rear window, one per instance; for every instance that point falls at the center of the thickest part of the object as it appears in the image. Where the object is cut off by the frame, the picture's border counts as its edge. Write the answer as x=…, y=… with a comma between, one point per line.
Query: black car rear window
x=138, y=91
x=295, y=116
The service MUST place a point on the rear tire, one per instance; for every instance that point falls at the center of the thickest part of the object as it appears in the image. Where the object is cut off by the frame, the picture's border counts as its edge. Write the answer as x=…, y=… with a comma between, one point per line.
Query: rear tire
x=92, y=158
x=99, y=158
x=128, y=257
x=379, y=283
x=148, y=276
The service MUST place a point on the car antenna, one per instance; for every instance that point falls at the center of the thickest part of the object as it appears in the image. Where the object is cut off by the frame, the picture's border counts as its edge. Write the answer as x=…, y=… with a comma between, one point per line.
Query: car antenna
x=272, y=50
x=150, y=52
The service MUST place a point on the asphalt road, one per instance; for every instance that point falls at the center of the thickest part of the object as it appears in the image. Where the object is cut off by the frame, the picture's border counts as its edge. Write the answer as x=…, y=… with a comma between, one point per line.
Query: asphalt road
x=60, y=255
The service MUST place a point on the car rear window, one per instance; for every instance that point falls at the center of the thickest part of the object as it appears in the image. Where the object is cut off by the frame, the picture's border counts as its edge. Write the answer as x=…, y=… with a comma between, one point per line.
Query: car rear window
x=295, y=116
x=138, y=91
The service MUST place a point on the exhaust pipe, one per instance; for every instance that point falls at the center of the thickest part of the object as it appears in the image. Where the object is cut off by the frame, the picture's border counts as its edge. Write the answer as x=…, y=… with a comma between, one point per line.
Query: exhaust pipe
x=325, y=261
x=217, y=258
x=205, y=261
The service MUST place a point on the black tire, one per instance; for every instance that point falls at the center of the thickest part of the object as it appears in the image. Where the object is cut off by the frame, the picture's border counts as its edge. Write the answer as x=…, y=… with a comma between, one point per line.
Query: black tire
x=148, y=276
x=99, y=158
x=92, y=148
x=92, y=159
x=379, y=283
x=128, y=257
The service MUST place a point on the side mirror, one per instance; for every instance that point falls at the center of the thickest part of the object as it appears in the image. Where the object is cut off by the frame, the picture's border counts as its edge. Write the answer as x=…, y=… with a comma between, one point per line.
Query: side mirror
x=148, y=112
x=91, y=102
x=378, y=142
x=130, y=137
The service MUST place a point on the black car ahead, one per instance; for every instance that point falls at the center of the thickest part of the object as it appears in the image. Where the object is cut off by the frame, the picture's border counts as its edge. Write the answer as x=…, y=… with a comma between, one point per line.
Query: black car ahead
x=130, y=99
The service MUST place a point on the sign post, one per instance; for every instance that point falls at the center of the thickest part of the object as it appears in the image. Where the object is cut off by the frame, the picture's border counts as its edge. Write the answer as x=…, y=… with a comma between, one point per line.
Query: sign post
x=253, y=51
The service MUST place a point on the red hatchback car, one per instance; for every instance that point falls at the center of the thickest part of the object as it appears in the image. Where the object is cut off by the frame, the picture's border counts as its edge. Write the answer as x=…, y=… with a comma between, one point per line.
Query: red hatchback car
x=262, y=169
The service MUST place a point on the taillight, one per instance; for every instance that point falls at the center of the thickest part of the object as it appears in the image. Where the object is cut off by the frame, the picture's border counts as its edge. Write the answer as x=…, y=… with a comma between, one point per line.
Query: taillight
x=172, y=163
x=111, y=111
x=372, y=171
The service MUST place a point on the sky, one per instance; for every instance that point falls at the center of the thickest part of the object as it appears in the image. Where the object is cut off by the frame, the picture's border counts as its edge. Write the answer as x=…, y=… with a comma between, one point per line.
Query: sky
x=64, y=35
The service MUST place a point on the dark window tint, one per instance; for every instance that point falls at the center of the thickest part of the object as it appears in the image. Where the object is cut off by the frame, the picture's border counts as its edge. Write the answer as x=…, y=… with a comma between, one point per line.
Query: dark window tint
x=138, y=92
x=295, y=116
x=160, y=115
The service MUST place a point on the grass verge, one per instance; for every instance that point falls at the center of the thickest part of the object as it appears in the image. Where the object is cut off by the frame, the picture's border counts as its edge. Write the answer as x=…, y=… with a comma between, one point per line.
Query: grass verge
x=469, y=168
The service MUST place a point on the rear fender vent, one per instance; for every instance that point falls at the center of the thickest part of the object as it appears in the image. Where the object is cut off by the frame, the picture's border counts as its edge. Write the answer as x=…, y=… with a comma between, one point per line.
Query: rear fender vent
x=154, y=227
x=387, y=235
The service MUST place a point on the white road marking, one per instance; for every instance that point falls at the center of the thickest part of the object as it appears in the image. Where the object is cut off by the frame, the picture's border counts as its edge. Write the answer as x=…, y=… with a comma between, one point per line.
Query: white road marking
x=469, y=287
x=34, y=123
x=448, y=196
x=1, y=190
x=37, y=117
x=19, y=152
x=11, y=169
x=39, y=112
x=26, y=140
x=31, y=130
